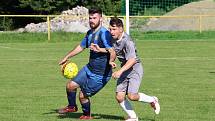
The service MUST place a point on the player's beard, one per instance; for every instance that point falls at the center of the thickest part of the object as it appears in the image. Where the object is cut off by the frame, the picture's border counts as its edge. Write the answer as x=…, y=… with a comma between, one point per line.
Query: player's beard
x=94, y=25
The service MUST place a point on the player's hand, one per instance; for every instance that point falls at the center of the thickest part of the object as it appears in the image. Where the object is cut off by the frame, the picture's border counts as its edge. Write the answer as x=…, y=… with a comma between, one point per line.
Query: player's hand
x=116, y=74
x=113, y=65
x=95, y=47
x=62, y=62
x=63, y=66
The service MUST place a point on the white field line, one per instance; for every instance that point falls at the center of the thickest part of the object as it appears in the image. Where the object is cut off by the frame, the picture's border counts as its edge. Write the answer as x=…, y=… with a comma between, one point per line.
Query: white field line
x=52, y=59
x=181, y=58
x=11, y=48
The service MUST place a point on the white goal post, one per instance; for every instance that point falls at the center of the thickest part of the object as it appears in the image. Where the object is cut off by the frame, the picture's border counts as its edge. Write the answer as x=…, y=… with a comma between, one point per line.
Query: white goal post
x=127, y=16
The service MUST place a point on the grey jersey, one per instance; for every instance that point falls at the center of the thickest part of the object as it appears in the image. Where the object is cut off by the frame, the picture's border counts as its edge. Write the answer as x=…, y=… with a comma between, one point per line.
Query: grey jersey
x=125, y=49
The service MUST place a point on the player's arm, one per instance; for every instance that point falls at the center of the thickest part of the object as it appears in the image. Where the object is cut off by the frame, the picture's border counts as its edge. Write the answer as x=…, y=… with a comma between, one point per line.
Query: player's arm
x=72, y=53
x=112, y=52
x=79, y=48
x=96, y=48
x=130, y=62
x=112, y=57
x=130, y=56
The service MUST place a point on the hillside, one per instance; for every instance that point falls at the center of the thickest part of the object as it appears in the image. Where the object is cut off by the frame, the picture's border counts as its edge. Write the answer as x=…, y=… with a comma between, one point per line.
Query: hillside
x=206, y=7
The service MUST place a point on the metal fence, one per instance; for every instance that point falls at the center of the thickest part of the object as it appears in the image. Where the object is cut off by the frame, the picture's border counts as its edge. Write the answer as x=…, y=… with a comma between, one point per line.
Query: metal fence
x=148, y=23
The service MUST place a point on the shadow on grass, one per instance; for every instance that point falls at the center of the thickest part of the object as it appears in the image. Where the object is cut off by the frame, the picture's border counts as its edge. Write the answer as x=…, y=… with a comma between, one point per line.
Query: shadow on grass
x=96, y=116
x=212, y=72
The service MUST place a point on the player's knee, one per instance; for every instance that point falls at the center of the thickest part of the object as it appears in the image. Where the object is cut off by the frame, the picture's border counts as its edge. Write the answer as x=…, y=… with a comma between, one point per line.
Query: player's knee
x=133, y=97
x=120, y=98
x=70, y=86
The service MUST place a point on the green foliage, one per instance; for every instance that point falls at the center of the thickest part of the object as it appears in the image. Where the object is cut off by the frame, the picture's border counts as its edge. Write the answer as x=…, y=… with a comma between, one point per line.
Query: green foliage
x=47, y=6
x=109, y=7
x=155, y=10
x=155, y=7
x=6, y=23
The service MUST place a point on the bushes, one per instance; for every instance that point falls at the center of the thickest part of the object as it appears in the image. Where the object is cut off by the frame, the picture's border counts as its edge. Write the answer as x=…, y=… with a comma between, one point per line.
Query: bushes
x=6, y=24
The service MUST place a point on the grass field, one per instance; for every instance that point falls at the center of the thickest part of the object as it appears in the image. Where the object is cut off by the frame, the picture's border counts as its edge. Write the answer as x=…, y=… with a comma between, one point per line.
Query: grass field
x=180, y=72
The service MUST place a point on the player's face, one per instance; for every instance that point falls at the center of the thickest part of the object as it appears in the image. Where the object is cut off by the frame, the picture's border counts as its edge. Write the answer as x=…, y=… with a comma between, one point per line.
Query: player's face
x=116, y=32
x=94, y=20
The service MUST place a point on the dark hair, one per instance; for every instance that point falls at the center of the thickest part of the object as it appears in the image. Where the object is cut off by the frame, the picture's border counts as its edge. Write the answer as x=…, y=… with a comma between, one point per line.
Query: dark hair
x=95, y=10
x=116, y=22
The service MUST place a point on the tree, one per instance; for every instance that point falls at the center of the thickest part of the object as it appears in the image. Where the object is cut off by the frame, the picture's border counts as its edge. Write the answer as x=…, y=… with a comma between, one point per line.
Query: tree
x=44, y=7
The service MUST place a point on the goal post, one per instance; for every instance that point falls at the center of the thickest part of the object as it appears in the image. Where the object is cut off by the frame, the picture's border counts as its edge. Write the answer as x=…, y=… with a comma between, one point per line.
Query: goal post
x=127, y=16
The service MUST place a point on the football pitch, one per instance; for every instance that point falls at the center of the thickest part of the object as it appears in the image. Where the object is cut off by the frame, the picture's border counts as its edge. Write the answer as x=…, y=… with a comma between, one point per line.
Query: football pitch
x=180, y=73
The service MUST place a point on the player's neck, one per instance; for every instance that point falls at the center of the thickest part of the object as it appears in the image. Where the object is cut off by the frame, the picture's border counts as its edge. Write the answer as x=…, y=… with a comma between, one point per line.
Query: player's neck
x=120, y=37
x=96, y=29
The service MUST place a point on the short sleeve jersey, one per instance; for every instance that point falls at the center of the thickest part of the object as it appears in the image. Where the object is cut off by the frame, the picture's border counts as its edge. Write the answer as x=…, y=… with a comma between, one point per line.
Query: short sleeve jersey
x=98, y=62
x=125, y=49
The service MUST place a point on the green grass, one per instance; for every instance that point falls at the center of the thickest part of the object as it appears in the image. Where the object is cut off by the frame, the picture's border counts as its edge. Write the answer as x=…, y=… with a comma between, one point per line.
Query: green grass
x=181, y=73
x=174, y=35
x=8, y=37
x=58, y=37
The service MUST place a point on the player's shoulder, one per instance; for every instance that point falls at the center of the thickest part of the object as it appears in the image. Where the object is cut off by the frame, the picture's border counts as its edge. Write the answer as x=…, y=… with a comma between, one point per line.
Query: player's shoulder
x=89, y=32
x=127, y=39
x=104, y=30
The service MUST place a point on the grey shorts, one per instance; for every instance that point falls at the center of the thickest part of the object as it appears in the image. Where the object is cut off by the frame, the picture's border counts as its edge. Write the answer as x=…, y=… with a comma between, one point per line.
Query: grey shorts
x=130, y=80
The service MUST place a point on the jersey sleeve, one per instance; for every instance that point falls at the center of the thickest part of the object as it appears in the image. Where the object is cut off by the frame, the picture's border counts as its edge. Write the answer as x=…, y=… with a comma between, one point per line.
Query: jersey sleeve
x=106, y=39
x=84, y=42
x=130, y=50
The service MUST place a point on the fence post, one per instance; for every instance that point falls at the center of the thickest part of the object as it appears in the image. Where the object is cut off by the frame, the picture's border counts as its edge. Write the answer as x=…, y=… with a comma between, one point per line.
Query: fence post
x=200, y=23
x=124, y=19
x=4, y=23
x=48, y=25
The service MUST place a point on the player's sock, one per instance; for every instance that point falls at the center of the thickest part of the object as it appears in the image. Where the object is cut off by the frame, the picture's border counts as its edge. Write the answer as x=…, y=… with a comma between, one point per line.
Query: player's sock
x=145, y=98
x=86, y=108
x=126, y=106
x=71, y=96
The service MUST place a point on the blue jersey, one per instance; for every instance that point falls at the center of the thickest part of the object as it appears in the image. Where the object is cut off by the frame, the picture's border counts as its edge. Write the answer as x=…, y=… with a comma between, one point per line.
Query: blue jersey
x=98, y=62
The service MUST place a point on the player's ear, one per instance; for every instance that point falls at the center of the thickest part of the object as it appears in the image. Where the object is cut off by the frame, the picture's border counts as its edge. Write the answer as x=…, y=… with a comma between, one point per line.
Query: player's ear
x=121, y=29
x=101, y=19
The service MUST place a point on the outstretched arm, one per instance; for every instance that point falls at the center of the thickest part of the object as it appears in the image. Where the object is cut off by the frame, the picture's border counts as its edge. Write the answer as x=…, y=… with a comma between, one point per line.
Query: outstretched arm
x=72, y=53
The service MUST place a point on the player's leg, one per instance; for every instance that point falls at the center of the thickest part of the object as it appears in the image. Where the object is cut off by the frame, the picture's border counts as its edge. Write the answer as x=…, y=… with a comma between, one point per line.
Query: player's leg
x=94, y=83
x=152, y=100
x=134, y=95
x=71, y=91
x=71, y=88
x=133, y=87
x=85, y=103
x=121, y=89
x=125, y=105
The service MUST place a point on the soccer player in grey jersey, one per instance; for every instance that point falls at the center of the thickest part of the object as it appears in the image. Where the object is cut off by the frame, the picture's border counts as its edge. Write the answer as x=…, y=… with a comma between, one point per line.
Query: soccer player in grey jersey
x=130, y=74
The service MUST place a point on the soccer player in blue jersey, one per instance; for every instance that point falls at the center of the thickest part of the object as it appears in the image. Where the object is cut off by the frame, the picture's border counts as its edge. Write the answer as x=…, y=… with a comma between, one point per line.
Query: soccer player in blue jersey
x=94, y=76
x=130, y=74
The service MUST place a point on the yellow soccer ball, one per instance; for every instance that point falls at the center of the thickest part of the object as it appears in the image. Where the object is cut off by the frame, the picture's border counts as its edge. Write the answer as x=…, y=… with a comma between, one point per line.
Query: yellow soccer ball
x=70, y=70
